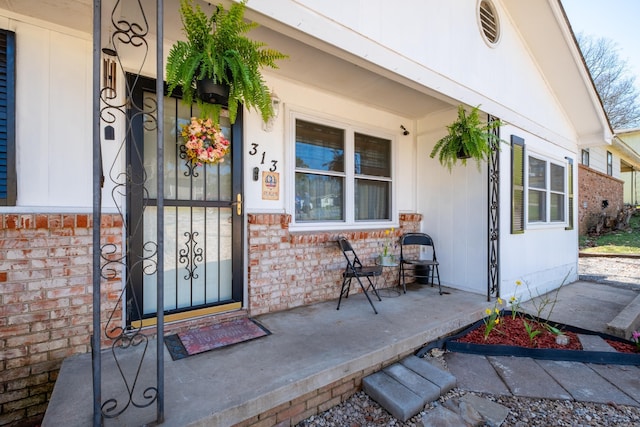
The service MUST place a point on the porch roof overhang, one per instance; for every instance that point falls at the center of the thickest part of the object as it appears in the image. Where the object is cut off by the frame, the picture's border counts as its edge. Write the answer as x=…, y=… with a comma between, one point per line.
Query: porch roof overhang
x=314, y=59
x=416, y=88
x=354, y=65
x=556, y=50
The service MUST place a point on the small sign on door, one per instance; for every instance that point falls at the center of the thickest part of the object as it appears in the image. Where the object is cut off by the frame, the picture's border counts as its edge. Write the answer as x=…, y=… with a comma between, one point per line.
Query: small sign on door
x=270, y=186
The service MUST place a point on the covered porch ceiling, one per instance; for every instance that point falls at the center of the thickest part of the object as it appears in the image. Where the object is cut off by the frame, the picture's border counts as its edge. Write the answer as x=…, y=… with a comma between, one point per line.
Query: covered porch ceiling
x=312, y=62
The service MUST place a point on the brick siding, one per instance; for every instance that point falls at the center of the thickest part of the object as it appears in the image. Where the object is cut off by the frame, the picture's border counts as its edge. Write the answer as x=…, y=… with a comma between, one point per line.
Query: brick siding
x=46, y=303
x=287, y=270
x=46, y=296
x=593, y=188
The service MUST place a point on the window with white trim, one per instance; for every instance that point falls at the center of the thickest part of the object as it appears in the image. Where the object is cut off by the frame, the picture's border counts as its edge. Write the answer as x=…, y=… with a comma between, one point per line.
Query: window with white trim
x=342, y=174
x=546, y=191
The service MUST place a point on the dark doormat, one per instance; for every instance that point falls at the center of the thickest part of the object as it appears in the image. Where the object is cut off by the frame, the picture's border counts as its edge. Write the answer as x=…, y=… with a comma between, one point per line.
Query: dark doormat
x=211, y=337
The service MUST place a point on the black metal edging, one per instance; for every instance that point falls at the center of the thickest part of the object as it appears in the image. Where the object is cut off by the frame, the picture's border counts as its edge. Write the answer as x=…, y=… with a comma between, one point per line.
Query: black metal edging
x=598, y=357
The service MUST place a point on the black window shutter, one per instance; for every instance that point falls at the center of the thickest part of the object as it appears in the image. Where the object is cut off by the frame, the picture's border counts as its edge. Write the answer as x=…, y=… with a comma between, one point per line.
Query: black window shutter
x=570, y=192
x=7, y=119
x=517, y=185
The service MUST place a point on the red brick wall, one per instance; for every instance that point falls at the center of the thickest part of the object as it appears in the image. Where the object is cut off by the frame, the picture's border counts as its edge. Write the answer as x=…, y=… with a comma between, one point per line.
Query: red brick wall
x=288, y=270
x=593, y=188
x=45, y=303
x=46, y=292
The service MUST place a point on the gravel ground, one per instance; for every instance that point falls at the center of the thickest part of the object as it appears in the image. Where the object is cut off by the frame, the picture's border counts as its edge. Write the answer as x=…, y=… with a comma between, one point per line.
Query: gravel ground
x=616, y=271
x=361, y=411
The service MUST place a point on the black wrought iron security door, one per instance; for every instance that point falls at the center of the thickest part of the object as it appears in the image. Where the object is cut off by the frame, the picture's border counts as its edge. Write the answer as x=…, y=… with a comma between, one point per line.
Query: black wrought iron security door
x=203, y=271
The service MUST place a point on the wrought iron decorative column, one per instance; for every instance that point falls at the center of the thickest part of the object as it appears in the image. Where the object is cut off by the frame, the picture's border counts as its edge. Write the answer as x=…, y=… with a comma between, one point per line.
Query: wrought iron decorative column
x=160, y=210
x=97, y=219
x=493, y=286
x=111, y=262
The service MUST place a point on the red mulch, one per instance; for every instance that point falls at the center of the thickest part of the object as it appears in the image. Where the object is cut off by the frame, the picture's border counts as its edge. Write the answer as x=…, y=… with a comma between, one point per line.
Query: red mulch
x=512, y=332
x=623, y=347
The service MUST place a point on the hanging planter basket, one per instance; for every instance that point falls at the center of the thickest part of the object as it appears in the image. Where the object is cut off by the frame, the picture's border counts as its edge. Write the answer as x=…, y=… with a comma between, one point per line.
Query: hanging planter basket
x=462, y=154
x=212, y=93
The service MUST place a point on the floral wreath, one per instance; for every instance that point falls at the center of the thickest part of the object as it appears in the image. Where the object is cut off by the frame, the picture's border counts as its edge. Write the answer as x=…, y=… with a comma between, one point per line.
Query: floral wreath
x=204, y=142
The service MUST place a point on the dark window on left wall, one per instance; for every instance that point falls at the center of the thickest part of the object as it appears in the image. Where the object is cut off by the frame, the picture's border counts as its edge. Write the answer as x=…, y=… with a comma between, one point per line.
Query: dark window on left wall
x=7, y=119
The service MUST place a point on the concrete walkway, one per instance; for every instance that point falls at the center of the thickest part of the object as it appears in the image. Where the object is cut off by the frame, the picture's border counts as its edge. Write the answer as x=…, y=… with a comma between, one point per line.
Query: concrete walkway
x=311, y=347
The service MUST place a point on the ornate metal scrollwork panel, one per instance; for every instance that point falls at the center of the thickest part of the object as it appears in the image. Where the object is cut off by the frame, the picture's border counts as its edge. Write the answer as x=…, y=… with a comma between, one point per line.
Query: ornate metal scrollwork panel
x=494, y=216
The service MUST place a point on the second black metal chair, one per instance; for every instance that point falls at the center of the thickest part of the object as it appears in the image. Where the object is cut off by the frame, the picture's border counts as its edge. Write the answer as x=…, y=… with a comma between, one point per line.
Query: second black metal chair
x=412, y=260
x=355, y=269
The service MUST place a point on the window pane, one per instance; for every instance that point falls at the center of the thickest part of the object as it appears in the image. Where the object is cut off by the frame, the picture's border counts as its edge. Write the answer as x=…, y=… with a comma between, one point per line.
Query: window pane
x=319, y=197
x=319, y=147
x=557, y=207
x=537, y=206
x=372, y=156
x=557, y=178
x=537, y=173
x=372, y=200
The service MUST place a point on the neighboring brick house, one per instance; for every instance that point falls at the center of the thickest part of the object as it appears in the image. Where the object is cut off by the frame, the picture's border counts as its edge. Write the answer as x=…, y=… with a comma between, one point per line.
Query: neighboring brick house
x=367, y=91
x=607, y=180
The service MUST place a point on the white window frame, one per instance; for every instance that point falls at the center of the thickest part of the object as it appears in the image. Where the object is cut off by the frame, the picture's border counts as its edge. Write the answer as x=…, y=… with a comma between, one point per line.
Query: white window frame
x=350, y=176
x=547, y=192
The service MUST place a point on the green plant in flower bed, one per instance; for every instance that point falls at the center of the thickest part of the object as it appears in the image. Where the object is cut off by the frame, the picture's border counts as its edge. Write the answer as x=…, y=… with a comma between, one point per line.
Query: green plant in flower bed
x=493, y=318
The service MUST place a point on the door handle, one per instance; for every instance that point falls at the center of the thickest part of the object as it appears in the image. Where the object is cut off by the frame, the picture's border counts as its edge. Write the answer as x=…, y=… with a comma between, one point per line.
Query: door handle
x=238, y=204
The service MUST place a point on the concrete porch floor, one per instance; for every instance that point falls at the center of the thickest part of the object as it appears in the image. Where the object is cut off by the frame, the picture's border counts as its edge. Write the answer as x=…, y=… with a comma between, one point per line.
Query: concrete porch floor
x=310, y=348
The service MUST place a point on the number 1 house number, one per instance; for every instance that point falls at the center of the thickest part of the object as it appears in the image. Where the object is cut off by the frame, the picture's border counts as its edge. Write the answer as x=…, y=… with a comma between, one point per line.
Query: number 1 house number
x=254, y=151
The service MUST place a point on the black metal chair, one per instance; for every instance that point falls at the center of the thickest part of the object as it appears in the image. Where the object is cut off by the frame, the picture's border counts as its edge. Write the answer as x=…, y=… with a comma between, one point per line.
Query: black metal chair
x=413, y=263
x=355, y=269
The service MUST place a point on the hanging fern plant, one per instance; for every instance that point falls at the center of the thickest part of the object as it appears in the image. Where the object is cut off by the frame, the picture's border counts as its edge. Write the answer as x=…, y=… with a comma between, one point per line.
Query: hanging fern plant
x=217, y=48
x=467, y=138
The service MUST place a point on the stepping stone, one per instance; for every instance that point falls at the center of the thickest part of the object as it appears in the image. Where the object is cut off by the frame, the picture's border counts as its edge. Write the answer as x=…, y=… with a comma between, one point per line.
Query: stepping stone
x=594, y=343
x=625, y=377
x=421, y=386
x=475, y=373
x=442, y=417
x=526, y=378
x=493, y=413
x=442, y=379
x=584, y=384
x=401, y=402
x=404, y=388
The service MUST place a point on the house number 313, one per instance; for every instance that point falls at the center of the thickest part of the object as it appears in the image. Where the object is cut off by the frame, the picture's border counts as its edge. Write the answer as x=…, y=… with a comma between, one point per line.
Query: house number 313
x=254, y=152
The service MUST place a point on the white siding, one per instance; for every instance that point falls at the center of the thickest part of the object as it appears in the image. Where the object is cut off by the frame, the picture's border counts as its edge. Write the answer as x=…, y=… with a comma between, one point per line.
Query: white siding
x=53, y=117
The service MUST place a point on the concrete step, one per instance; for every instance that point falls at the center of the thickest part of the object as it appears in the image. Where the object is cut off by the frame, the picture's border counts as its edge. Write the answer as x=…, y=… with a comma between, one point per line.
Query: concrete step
x=594, y=343
x=404, y=388
x=627, y=321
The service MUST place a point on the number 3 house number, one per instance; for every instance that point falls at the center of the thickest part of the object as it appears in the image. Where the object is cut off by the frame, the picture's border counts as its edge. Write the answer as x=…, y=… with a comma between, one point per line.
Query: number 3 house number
x=254, y=151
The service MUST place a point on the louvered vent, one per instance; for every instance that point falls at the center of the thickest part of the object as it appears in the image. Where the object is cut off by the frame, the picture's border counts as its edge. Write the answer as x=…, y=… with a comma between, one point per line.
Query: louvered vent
x=489, y=22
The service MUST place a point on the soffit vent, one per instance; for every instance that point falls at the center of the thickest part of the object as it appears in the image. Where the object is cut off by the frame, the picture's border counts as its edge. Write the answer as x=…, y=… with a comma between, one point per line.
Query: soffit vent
x=489, y=22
